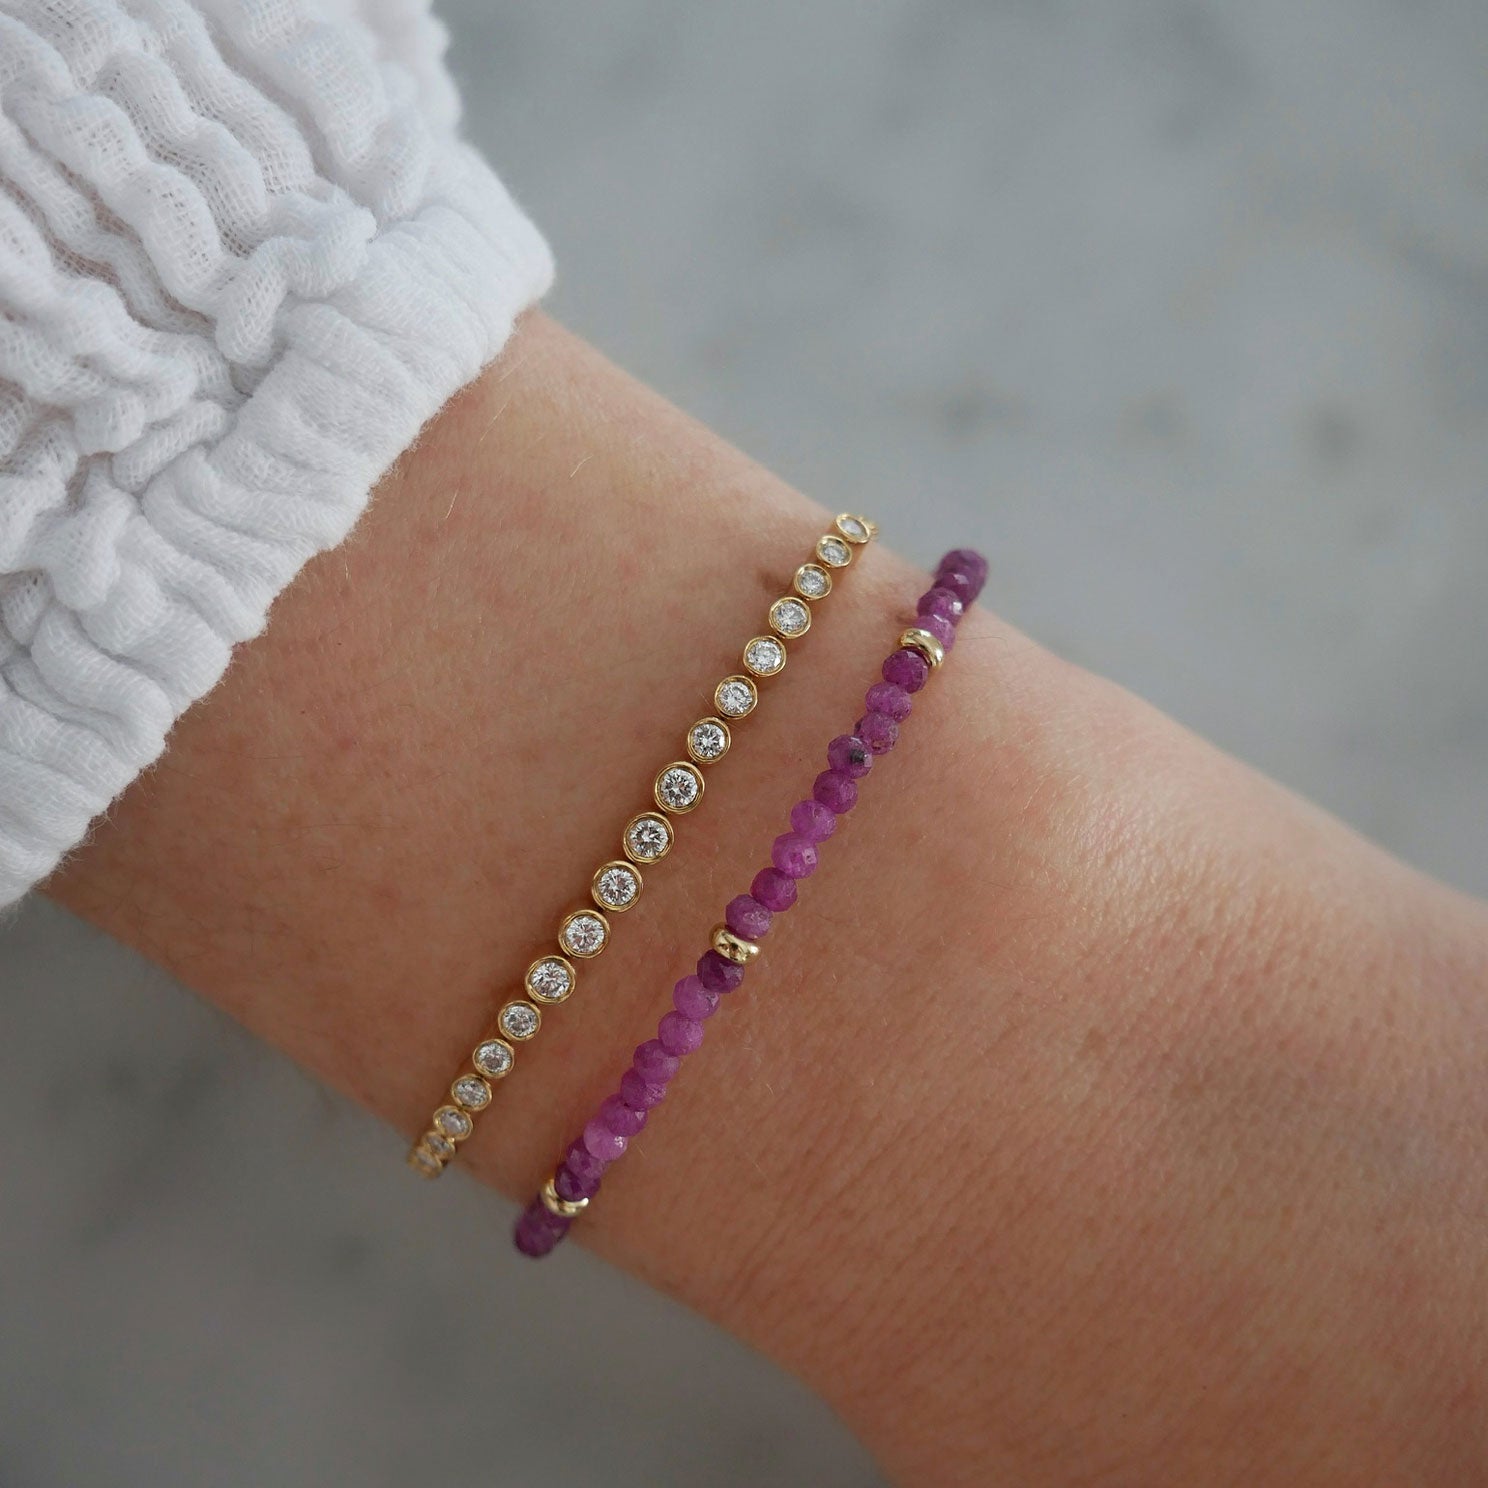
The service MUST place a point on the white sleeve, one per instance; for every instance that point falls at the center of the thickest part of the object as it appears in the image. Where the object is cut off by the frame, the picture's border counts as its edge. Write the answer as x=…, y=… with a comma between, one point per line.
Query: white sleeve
x=244, y=255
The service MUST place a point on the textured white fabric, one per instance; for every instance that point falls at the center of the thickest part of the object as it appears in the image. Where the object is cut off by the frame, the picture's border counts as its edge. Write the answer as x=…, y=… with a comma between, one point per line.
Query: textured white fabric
x=243, y=256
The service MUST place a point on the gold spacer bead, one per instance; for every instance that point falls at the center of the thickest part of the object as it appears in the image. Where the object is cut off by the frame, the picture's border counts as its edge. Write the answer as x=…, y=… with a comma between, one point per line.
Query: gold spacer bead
x=563, y=1208
x=922, y=641
x=733, y=947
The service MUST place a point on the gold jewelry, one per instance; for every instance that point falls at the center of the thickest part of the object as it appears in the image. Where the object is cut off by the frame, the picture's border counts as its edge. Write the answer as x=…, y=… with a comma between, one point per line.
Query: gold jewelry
x=616, y=885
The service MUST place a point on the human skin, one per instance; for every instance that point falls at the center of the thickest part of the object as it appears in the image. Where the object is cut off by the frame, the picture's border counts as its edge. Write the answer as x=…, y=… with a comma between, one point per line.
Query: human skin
x=1102, y=1114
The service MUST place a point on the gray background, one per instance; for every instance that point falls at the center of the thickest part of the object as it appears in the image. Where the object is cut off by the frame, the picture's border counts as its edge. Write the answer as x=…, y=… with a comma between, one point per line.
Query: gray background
x=1179, y=310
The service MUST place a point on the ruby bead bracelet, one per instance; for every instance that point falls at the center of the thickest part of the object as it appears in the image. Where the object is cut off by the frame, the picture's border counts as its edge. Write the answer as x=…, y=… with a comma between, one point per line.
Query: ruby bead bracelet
x=747, y=919
x=616, y=885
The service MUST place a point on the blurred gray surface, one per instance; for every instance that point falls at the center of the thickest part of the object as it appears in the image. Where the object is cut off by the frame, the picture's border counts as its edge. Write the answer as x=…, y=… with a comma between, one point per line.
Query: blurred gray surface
x=1180, y=311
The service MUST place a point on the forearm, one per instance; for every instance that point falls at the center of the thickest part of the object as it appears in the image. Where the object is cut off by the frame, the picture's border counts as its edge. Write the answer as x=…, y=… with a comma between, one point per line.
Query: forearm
x=1087, y=1061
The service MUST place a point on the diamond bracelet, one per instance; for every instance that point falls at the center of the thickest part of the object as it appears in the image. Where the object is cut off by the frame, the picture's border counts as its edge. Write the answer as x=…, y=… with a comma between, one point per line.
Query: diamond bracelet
x=647, y=838
x=735, y=943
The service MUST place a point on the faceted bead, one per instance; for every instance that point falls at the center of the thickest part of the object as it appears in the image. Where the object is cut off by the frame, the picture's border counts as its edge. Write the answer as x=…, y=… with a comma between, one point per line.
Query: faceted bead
x=587, y=1169
x=884, y=697
x=811, y=819
x=679, y=1035
x=538, y=1231
x=717, y=973
x=693, y=1000
x=968, y=567
x=878, y=731
x=774, y=890
x=940, y=628
x=794, y=854
x=653, y=1064
x=641, y=1094
x=605, y=1144
x=747, y=917
x=569, y=1187
x=906, y=669
x=850, y=755
x=620, y=1118
x=942, y=602
x=836, y=790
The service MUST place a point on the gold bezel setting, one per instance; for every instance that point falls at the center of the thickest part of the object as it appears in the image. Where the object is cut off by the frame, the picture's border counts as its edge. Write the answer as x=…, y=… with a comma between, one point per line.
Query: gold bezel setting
x=790, y=604
x=614, y=871
x=519, y=1020
x=647, y=817
x=584, y=949
x=760, y=648
x=738, y=680
x=809, y=576
x=470, y=1093
x=700, y=757
x=490, y=1065
x=551, y=979
x=834, y=550
x=853, y=528
x=680, y=803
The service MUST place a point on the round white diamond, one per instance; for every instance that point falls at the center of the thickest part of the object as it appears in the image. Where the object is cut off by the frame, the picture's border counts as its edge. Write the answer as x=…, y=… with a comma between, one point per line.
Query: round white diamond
x=855, y=529
x=735, y=697
x=471, y=1092
x=617, y=885
x=813, y=581
x=764, y=656
x=647, y=838
x=678, y=787
x=519, y=1020
x=584, y=933
x=790, y=617
x=425, y=1162
x=493, y=1058
x=708, y=740
x=441, y=1147
x=834, y=551
x=453, y=1122
x=550, y=979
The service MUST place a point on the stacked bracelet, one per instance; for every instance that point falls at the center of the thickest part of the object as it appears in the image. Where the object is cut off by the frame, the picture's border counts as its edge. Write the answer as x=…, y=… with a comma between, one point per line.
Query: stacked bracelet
x=647, y=838
x=735, y=943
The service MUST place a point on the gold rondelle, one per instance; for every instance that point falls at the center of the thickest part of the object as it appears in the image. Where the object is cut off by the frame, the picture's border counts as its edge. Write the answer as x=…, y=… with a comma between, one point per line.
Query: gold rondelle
x=563, y=1208
x=926, y=644
x=733, y=947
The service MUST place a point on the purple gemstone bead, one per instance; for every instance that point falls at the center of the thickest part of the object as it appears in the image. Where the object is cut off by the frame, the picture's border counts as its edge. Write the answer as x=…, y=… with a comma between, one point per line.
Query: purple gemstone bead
x=940, y=628
x=641, y=1094
x=812, y=820
x=653, y=1064
x=968, y=567
x=693, y=1000
x=878, y=731
x=568, y=1186
x=906, y=669
x=850, y=755
x=717, y=973
x=679, y=1035
x=620, y=1119
x=794, y=854
x=836, y=790
x=605, y=1144
x=538, y=1231
x=774, y=890
x=746, y=916
x=942, y=602
x=884, y=697
x=587, y=1169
